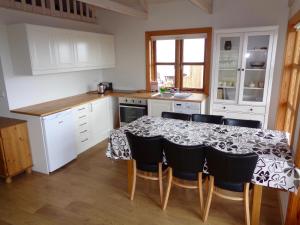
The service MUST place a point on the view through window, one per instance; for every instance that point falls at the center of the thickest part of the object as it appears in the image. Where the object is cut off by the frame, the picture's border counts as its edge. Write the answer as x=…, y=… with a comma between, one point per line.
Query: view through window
x=179, y=61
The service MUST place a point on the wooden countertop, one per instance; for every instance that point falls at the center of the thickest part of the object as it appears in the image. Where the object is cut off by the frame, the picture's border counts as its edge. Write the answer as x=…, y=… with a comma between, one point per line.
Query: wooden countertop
x=51, y=107
x=8, y=122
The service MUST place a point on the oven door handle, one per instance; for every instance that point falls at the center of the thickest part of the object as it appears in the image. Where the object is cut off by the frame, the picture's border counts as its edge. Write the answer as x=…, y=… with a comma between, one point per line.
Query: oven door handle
x=135, y=107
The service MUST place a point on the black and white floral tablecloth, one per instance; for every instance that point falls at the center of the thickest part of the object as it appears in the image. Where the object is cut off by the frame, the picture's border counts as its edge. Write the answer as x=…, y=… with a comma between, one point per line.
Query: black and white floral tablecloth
x=275, y=167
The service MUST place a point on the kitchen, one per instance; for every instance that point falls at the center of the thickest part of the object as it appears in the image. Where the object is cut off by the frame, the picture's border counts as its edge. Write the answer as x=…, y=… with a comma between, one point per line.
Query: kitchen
x=28, y=95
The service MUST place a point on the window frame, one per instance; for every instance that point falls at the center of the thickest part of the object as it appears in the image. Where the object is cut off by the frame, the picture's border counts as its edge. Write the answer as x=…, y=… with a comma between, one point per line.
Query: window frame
x=151, y=57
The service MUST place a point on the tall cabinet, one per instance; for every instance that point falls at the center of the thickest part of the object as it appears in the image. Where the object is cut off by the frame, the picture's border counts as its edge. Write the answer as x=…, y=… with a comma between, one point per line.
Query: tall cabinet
x=243, y=72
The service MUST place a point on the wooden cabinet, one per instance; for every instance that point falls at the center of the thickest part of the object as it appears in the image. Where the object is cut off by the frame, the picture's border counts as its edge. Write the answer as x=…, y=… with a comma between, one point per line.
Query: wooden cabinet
x=15, y=154
x=156, y=107
x=37, y=50
x=243, y=72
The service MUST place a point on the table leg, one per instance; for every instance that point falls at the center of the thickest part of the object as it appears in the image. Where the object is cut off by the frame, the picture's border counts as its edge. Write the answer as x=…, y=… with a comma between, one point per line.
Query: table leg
x=130, y=171
x=256, y=205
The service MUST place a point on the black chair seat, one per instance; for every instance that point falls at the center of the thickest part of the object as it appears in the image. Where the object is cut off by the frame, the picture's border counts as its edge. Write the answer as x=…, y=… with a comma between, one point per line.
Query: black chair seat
x=207, y=118
x=187, y=175
x=147, y=167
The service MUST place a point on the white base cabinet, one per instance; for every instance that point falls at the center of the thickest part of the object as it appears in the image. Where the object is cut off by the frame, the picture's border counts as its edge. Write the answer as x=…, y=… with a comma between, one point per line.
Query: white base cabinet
x=37, y=50
x=156, y=107
x=68, y=133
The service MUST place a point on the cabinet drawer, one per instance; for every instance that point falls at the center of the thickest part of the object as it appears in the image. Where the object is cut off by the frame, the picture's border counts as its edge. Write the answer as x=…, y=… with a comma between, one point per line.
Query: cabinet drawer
x=238, y=108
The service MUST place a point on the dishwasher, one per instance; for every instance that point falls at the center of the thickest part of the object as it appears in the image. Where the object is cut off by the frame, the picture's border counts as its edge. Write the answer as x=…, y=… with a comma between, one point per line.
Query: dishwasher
x=60, y=139
x=187, y=107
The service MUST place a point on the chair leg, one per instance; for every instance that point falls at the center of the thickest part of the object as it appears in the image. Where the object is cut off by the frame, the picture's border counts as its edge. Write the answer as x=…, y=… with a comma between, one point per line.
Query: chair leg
x=200, y=192
x=133, y=180
x=246, y=203
x=170, y=177
x=160, y=182
x=209, y=197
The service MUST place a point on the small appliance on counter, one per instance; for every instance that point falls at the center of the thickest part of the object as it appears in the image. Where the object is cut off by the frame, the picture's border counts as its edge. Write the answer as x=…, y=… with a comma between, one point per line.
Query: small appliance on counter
x=104, y=86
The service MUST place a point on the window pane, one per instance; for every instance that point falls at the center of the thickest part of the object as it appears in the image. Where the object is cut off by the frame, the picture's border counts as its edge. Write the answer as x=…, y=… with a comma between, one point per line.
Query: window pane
x=165, y=75
x=165, y=51
x=193, y=76
x=193, y=50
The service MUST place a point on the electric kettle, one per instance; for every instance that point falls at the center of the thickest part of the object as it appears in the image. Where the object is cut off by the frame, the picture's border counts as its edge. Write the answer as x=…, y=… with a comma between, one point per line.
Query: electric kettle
x=101, y=88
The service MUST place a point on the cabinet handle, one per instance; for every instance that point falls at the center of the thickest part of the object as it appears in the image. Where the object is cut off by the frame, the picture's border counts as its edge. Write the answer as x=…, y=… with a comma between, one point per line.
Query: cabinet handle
x=81, y=109
x=82, y=132
x=84, y=140
x=251, y=109
x=239, y=69
x=80, y=117
x=243, y=69
x=60, y=122
x=82, y=124
x=224, y=107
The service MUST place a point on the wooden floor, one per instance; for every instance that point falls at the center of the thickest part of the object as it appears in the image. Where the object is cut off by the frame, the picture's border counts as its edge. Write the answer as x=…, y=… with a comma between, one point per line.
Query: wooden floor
x=92, y=190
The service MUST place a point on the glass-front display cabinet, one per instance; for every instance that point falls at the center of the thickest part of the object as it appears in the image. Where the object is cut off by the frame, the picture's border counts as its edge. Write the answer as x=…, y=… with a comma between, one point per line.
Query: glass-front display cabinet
x=243, y=67
x=242, y=71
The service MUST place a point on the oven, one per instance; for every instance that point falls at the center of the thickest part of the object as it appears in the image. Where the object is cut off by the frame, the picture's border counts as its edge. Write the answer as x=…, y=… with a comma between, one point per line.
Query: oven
x=131, y=109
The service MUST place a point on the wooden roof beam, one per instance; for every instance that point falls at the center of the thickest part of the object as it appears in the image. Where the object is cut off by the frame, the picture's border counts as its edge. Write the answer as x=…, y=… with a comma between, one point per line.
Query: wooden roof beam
x=117, y=7
x=205, y=5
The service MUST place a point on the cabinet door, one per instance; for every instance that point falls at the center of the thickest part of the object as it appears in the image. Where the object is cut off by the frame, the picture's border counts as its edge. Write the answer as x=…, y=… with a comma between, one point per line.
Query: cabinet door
x=107, y=51
x=101, y=119
x=16, y=148
x=87, y=50
x=64, y=49
x=3, y=170
x=156, y=107
x=228, y=67
x=41, y=47
x=256, y=68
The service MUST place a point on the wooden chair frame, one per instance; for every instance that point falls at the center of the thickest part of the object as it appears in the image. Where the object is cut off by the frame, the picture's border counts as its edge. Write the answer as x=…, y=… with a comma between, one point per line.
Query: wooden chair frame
x=212, y=190
x=187, y=186
x=144, y=175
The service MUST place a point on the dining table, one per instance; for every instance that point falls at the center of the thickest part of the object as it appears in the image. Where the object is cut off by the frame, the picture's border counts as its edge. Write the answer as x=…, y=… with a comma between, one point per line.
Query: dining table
x=275, y=167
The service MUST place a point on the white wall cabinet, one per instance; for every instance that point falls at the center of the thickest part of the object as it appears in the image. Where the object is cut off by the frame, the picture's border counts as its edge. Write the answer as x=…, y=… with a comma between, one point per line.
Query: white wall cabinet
x=243, y=72
x=156, y=107
x=37, y=50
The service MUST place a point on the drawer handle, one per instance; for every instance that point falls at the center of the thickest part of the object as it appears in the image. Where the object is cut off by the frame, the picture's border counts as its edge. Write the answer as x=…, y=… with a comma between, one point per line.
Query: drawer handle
x=80, y=117
x=82, y=124
x=82, y=132
x=84, y=140
x=60, y=122
x=81, y=109
x=251, y=109
x=224, y=107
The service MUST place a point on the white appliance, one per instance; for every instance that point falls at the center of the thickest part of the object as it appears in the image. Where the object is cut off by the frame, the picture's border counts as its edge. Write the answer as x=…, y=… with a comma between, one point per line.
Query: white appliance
x=187, y=107
x=60, y=139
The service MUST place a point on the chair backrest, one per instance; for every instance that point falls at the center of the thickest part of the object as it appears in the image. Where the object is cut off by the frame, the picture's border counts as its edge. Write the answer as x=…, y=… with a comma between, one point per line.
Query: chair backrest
x=242, y=123
x=228, y=167
x=178, y=116
x=207, y=118
x=146, y=149
x=184, y=158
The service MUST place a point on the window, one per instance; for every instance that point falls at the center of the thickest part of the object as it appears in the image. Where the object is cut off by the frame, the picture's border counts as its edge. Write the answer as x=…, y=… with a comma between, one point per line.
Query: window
x=179, y=58
x=290, y=84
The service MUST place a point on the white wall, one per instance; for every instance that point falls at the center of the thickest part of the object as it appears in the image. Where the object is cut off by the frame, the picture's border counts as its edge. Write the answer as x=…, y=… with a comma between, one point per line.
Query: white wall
x=27, y=90
x=130, y=70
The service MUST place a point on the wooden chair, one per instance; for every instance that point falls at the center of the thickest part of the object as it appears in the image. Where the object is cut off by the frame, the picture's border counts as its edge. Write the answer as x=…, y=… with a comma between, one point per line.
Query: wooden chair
x=243, y=123
x=178, y=116
x=147, y=154
x=231, y=172
x=207, y=118
x=185, y=164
